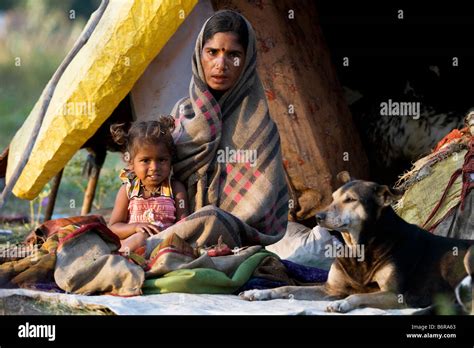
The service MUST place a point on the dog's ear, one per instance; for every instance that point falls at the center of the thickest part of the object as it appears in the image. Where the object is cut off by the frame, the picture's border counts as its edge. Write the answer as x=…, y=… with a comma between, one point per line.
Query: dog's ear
x=469, y=261
x=344, y=177
x=387, y=196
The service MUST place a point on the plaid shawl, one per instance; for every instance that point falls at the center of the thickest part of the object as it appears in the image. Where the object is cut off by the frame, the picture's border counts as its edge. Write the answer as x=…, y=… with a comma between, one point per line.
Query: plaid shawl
x=249, y=198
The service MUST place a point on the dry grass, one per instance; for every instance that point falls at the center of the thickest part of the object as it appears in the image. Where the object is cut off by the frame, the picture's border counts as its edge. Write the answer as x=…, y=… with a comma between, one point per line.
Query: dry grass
x=24, y=305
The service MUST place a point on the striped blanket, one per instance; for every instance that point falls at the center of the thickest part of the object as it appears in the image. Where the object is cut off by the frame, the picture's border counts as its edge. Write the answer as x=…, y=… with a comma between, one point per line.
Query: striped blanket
x=229, y=157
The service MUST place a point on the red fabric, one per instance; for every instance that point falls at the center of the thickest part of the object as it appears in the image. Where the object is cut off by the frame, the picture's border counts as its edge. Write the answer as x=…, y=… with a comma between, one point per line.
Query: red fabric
x=99, y=227
x=454, y=134
x=51, y=227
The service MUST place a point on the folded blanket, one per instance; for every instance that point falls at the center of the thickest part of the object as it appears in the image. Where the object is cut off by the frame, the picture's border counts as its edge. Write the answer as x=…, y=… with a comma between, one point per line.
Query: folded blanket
x=222, y=275
x=273, y=272
x=87, y=263
x=205, y=280
x=306, y=274
x=203, y=229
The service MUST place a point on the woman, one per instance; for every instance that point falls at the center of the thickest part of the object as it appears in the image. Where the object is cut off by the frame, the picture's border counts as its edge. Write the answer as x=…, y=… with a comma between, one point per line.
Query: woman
x=228, y=148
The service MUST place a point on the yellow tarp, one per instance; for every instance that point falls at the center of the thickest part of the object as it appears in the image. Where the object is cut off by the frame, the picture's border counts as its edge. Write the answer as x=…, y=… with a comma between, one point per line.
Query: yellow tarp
x=127, y=38
x=420, y=199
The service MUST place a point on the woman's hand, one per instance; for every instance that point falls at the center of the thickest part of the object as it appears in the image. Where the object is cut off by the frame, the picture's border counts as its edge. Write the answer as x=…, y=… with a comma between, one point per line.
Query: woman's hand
x=150, y=229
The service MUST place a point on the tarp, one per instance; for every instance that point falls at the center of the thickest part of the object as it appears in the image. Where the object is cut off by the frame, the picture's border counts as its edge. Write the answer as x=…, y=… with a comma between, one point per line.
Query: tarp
x=192, y=304
x=127, y=38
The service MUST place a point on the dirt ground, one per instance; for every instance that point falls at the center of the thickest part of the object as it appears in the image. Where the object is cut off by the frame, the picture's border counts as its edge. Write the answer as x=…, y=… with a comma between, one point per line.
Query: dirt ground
x=23, y=305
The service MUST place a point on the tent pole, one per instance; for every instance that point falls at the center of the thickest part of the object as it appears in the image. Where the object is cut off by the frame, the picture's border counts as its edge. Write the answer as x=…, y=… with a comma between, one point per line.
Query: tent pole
x=52, y=196
x=90, y=191
x=95, y=161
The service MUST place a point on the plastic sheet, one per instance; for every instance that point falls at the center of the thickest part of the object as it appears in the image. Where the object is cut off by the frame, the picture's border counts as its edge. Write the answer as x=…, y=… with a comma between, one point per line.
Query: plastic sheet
x=127, y=38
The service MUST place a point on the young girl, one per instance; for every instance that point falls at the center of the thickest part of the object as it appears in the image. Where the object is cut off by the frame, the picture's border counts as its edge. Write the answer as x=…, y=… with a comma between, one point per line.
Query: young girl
x=149, y=200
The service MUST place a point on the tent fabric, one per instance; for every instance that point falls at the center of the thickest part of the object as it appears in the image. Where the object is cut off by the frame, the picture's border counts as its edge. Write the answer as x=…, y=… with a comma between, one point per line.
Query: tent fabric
x=166, y=79
x=127, y=38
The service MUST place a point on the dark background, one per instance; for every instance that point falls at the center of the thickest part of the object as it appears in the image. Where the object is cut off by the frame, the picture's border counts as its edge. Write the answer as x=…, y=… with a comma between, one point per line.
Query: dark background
x=385, y=53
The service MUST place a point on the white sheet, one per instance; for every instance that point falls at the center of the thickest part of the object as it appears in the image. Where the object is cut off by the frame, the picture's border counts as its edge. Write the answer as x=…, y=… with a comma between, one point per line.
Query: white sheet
x=191, y=304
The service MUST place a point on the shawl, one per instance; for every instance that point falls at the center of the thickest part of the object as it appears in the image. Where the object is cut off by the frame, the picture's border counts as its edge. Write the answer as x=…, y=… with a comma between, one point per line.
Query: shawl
x=229, y=154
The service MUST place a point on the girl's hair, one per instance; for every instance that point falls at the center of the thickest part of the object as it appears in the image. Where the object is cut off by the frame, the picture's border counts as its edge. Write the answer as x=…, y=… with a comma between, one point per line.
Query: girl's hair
x=227, y=21
x=144, y=132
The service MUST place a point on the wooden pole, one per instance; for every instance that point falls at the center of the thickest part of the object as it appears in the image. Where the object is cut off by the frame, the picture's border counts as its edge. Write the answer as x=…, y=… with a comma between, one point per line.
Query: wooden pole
x=52, y=196
x=90, y=191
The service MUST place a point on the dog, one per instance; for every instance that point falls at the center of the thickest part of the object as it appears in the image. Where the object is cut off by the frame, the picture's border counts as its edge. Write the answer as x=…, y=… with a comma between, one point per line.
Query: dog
x=403, y=266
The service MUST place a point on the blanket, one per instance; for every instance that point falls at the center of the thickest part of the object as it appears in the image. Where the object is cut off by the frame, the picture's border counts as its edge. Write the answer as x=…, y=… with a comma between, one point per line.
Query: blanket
x=80, y=257
x=205, y=280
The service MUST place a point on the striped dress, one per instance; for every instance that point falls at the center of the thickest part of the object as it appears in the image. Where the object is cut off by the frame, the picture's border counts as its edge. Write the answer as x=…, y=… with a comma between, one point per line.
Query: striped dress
x=159, y=210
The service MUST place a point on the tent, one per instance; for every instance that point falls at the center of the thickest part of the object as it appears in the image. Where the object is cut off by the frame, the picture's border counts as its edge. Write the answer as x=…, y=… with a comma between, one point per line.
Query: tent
x=136, y=64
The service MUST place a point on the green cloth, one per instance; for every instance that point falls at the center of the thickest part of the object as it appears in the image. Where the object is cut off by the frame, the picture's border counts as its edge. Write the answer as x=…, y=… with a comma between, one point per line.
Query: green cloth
x=420, y=199
x=205, y=280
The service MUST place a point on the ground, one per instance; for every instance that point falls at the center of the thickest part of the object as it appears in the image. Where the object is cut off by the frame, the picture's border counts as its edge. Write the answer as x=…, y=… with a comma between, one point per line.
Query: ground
x=23, y=305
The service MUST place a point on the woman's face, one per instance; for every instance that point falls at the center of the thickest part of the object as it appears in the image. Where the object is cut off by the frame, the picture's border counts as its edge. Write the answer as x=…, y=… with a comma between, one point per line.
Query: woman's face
x=223, y=60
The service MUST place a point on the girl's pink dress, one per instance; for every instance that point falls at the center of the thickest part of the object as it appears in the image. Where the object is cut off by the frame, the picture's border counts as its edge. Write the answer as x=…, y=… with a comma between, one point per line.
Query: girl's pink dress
x=159, y=210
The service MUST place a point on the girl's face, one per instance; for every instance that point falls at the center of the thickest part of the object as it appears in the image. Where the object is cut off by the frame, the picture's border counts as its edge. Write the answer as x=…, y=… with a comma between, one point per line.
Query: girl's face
x=222, y=60
x=152, y=164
